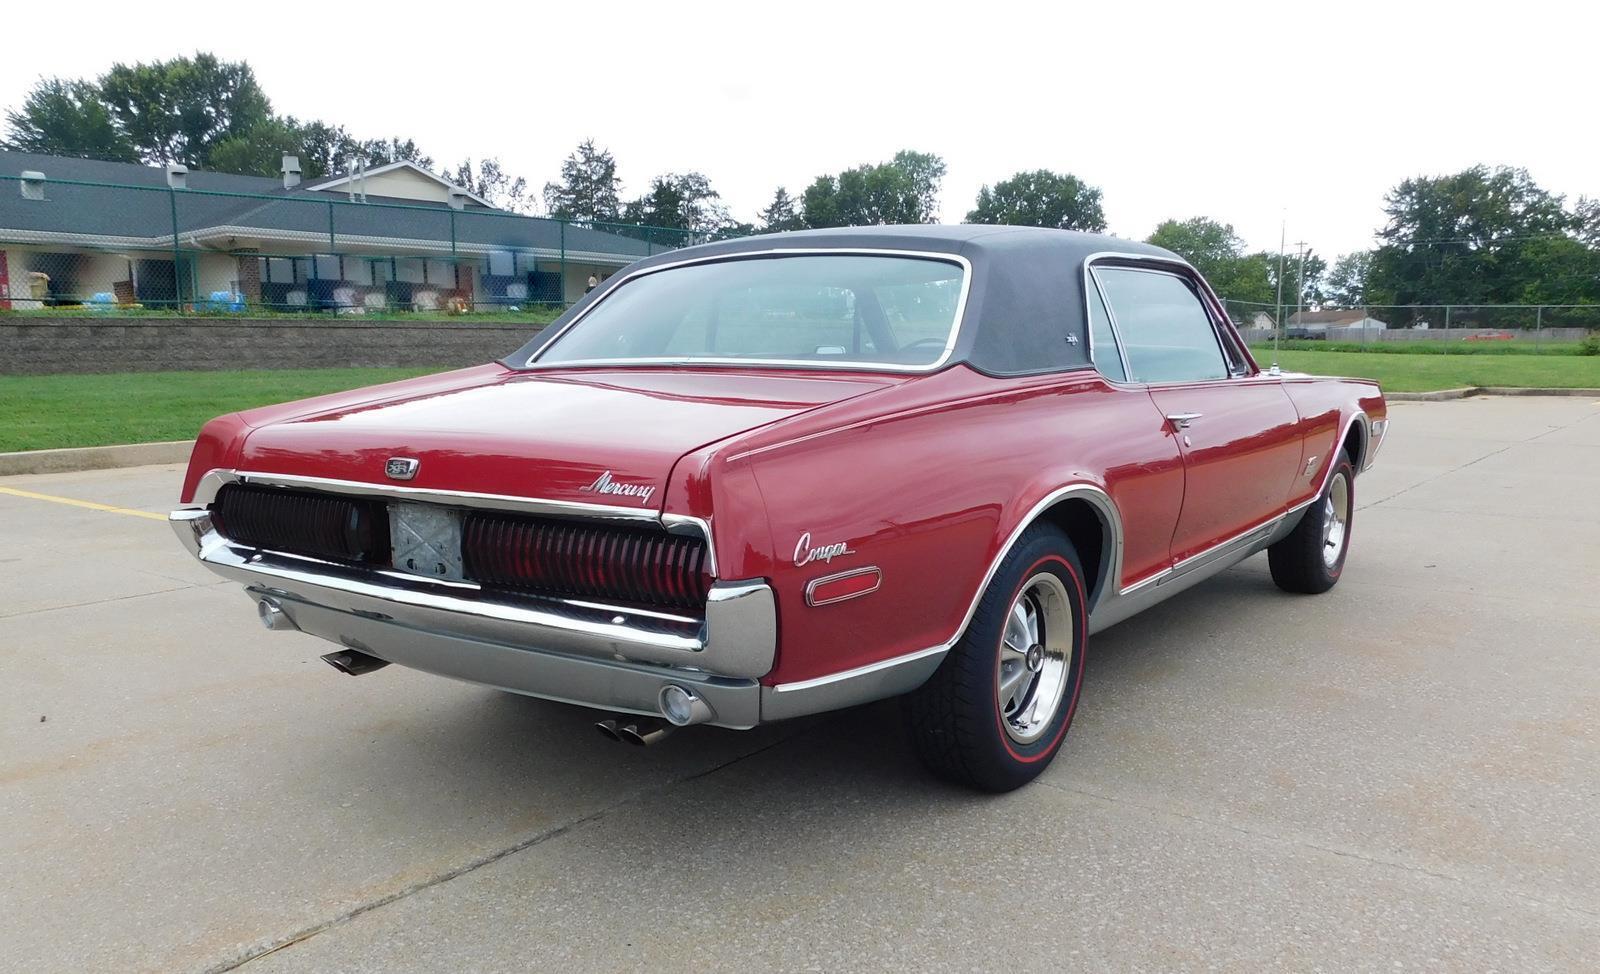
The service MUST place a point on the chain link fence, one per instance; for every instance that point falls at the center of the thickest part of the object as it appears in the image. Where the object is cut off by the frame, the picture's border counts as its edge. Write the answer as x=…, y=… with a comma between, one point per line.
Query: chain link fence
x=70, y=247
x=1455, y=327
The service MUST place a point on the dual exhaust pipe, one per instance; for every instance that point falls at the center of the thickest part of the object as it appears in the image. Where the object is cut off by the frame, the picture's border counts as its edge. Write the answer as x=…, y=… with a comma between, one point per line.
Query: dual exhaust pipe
x=351, y=662
x=680, y=707
x=638, y=731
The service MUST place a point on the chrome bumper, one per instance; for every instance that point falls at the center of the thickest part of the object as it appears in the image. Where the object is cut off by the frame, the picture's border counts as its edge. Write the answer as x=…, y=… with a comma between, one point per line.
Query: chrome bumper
x=597, y=656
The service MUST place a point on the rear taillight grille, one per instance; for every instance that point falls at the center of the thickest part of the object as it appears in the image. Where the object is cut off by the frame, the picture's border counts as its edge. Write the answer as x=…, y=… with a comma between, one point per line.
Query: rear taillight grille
x=304, y=523
x=615, y=564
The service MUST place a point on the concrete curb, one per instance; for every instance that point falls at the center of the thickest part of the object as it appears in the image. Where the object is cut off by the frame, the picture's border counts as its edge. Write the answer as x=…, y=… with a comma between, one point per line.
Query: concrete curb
x=1516, y=391
x=1440, y=395
x=1437, y=395
x=94, y=457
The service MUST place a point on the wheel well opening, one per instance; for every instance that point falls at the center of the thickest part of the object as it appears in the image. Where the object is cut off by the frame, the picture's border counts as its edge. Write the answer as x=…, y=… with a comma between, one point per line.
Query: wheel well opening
x=1355, y=443
x=1090, y=536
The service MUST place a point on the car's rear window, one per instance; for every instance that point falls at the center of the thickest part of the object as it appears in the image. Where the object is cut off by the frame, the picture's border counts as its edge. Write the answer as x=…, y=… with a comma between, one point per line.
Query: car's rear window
x=826, y=309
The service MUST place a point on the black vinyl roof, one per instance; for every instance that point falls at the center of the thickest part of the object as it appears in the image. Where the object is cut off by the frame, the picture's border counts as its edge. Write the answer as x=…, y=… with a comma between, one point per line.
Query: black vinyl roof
x=1025, y=304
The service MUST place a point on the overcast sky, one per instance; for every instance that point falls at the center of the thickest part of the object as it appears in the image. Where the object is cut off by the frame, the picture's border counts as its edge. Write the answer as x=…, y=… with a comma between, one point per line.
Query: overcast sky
x=1244, y=112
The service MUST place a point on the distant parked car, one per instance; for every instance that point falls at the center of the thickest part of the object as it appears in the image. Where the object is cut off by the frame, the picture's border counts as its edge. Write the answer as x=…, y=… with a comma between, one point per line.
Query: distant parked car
x=1490, y=336
x=782, y=475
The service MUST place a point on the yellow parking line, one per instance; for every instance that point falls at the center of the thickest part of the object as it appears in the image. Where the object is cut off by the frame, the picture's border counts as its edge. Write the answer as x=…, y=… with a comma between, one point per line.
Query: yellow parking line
x=91, y=505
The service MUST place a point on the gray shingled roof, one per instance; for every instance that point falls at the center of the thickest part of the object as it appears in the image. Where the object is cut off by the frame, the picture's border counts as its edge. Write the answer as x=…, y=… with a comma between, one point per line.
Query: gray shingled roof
x=139, y=210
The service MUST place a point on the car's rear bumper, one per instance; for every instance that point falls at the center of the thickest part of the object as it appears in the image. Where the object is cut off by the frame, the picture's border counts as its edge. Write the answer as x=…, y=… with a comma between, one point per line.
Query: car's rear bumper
x=598, y=656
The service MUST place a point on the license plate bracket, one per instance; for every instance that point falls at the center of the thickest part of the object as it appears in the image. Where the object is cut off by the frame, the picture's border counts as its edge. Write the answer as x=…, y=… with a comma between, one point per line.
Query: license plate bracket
x=426, y=540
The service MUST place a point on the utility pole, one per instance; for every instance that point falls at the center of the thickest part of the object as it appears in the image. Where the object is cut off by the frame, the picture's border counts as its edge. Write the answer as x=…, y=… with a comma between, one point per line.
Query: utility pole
x=1300, y=288
x=1277, y=333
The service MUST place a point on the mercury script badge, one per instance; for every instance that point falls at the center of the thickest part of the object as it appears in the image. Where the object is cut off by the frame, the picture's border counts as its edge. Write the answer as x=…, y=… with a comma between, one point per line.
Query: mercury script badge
x=603, y=484
x=401, y=468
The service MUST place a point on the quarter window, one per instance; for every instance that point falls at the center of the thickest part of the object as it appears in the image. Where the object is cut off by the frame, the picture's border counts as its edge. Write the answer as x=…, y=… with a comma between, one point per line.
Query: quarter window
x=1165, y=330
x=1103, y=341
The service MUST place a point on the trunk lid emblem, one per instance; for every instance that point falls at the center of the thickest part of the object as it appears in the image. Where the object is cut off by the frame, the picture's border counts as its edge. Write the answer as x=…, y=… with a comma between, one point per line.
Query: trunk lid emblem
x=401, y=468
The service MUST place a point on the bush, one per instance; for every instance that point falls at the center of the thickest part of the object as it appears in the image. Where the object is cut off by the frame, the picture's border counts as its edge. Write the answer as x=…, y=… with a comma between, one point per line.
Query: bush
x=1590, y=344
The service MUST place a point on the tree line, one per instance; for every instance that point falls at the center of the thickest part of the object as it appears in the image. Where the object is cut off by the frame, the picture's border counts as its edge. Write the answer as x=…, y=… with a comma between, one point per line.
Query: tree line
x=1480, y=236
x=207, y=113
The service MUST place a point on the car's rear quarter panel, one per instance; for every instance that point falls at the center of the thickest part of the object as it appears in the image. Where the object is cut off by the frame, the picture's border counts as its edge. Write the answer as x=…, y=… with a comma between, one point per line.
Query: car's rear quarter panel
x=929, y=493
x=1327, y=407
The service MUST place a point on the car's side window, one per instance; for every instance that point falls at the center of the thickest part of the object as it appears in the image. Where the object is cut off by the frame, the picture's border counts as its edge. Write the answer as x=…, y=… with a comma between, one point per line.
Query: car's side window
x=1166, y=333
x=1102, y=340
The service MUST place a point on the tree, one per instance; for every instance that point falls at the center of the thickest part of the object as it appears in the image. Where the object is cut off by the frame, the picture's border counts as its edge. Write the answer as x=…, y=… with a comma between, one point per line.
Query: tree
x=1587, y=212
x=589, y=187
x=819, y=204
x=259, y=151
x=682, y=202
x=1217, y=252
x=494, y=184
x=180, y=110
x=920, y=175
x=1466, y=238
x=322, y=149
x=1305, y=290
x=1203, y=242
x=67, y=118
x=903, y=190
x=1347, y=282
x=1041, y=199
x=781, y=214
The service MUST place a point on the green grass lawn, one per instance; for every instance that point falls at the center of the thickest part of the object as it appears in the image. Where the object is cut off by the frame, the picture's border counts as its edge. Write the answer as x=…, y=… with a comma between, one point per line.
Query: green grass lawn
x=1424, y=372
x=1436, y=347
x=38, y=412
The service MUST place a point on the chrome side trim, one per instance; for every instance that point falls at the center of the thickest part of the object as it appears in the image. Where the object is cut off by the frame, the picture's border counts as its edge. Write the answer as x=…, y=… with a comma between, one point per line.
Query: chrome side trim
x=1111, y=567
x=622, y=280
x=864, y=684
x=213, y=481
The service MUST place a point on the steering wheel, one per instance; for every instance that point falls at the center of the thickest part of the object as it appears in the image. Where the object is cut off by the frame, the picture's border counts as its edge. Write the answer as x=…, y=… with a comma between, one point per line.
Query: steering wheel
x=923, y=341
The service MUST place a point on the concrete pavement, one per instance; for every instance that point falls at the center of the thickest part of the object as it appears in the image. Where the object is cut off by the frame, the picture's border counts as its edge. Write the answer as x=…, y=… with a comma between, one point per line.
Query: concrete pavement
x=1400, y=774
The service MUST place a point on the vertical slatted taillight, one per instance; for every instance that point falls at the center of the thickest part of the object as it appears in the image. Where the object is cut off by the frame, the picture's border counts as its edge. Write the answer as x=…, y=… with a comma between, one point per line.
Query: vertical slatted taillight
x=613, y=563
x=304, y=523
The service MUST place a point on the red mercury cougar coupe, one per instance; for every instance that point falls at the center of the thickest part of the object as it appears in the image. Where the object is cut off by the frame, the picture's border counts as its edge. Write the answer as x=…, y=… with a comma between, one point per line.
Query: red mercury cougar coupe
x=781, y=475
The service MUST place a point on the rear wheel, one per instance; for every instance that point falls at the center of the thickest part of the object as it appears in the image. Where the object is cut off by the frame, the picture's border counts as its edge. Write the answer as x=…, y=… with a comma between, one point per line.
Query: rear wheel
x=996, y=711
x=1311, y=557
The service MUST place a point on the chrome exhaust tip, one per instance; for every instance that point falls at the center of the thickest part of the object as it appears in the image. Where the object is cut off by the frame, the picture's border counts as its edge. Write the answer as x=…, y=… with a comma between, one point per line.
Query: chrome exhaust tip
x=353, y=662
x=273, y=617
x=608, y=730
x=683, y=707
x=644, y=731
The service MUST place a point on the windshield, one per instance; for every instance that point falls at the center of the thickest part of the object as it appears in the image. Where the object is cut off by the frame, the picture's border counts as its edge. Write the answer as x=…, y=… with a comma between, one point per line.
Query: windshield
x=826, y=309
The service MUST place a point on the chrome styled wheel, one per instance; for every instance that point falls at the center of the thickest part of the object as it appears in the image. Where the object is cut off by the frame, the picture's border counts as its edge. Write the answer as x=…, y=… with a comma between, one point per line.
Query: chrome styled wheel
x=1336, y=520
x=1035, y=658
x=995, y=712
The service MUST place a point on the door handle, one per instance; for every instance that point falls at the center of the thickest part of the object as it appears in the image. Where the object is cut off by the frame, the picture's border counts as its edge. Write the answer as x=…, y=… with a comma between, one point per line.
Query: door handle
x=1181, y=421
